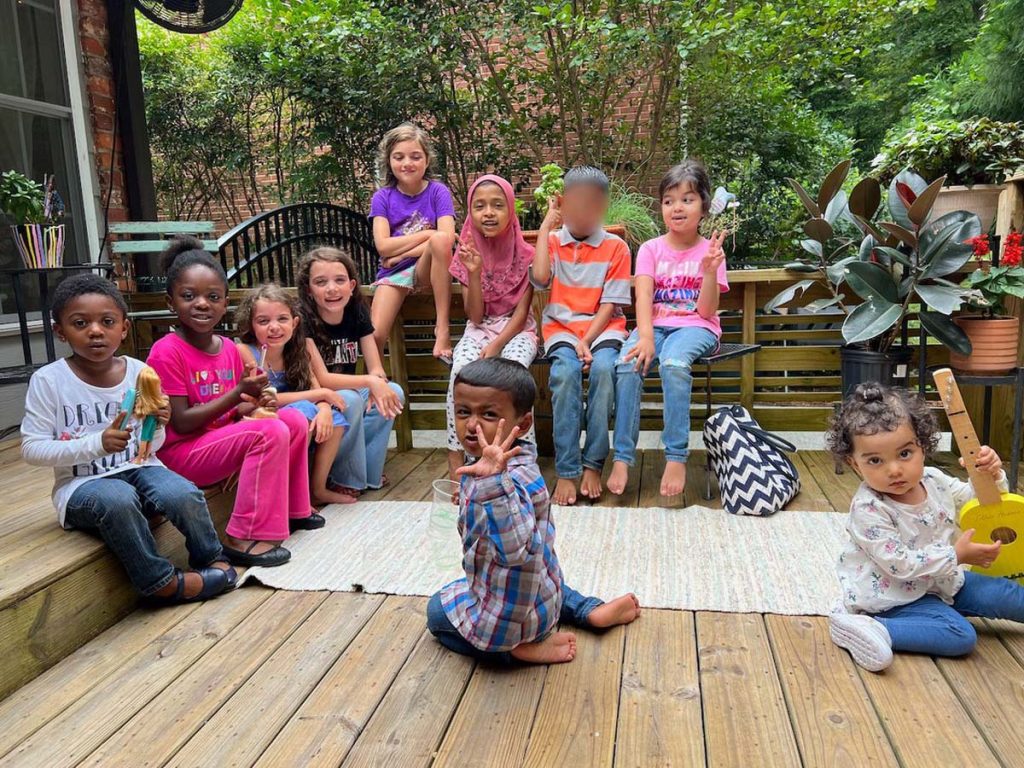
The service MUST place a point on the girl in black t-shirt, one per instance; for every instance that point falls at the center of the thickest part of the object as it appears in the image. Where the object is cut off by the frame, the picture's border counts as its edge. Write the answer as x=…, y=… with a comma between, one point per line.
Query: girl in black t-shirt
x=338, y=321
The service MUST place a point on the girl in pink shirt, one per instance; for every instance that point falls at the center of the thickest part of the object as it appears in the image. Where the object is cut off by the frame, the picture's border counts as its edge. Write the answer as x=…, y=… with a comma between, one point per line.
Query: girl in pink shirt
x=209, y=437
x=679, y=278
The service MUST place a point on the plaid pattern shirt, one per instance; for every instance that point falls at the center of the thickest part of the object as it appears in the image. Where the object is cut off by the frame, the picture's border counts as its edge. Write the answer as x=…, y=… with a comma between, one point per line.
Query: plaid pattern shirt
x=512, y=591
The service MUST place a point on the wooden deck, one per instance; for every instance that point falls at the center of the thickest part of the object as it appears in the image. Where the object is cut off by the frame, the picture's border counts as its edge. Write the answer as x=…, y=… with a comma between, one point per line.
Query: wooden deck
x=269, y=678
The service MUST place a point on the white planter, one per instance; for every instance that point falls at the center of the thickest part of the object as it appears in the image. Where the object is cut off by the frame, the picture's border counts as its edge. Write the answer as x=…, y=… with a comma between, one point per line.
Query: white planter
x=982, y=199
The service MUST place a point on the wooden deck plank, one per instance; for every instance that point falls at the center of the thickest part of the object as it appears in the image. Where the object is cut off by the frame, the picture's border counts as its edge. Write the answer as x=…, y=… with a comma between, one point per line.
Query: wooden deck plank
x=397, y=468
x=838, y=488
x=203, y=688
x=324, y=728
x=660, y=720
x=494, y=718
x=745, y=716
x=833, y=718
x=578, y=710
x=925, y=722
x=32, y=706
x=86, y=724
x=265, y=703
x=812, y=496
x=410, y=722
x=990, y=685
x=416, y=485
x=650, y=468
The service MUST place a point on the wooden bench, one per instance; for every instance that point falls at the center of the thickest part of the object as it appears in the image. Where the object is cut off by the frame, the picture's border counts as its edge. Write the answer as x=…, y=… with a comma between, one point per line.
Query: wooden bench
x=59, y=589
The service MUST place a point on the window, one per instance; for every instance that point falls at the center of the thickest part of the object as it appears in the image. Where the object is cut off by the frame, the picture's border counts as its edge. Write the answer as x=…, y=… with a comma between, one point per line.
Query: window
x=42, y=125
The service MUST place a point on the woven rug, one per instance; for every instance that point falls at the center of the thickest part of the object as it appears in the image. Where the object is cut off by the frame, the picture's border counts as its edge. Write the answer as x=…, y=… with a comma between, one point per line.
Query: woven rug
x=693, y=559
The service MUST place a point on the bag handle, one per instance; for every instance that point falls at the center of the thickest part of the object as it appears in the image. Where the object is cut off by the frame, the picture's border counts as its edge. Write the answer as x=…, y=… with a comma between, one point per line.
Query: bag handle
x=769, y=437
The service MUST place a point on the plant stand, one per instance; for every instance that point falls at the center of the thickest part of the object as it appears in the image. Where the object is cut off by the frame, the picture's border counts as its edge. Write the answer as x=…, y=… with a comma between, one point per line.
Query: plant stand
x=22, y=373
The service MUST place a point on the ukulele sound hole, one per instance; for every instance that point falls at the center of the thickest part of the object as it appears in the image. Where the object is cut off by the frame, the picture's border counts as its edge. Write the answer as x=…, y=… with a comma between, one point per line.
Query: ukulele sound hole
x=1004, y=534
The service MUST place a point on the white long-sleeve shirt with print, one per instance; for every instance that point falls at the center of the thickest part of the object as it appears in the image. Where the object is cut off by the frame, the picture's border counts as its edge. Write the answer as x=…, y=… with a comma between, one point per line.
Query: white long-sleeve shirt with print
x=64, y=423
x=897, y=552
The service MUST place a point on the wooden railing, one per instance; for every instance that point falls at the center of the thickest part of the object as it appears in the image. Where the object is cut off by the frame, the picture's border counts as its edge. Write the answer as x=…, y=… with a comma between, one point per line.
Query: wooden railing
x=792, y=383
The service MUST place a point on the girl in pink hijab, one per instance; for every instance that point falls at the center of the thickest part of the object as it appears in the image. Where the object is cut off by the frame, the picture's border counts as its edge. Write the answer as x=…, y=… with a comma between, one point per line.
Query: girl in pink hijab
x=492, y=263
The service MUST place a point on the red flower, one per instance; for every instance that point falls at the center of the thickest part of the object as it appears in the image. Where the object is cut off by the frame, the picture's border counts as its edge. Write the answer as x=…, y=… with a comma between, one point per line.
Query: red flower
x=1012, y=250
x=980, y=243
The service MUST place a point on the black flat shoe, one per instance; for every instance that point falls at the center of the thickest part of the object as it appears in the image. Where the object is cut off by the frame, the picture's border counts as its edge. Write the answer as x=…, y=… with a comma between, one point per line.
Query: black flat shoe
x=311, y=523
x=215, y=581
x=229, y=572
x=276, y=556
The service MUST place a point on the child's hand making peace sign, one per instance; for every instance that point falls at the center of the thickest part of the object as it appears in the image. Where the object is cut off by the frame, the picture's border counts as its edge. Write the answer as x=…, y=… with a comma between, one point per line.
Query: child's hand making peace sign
x=494, y=456
x=715, y=256
x=470, y=256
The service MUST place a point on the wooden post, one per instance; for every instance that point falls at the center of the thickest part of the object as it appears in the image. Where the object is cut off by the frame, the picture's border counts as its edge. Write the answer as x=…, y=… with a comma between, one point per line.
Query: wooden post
x=747, y=336
x=400, y=375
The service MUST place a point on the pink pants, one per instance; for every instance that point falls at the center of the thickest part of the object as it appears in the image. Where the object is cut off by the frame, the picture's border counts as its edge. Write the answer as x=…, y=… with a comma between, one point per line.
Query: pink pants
x=271, y=458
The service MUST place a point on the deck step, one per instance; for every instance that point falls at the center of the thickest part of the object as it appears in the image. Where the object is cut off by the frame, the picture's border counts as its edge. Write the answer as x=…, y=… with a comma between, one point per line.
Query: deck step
x=59, y=589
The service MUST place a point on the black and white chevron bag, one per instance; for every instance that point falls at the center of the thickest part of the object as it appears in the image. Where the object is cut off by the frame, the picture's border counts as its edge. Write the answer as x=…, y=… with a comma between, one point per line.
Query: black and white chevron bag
x=755, y=476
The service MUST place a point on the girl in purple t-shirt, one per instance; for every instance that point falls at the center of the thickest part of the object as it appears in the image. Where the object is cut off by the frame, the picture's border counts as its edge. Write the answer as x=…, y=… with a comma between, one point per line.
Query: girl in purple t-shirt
x=414, y=231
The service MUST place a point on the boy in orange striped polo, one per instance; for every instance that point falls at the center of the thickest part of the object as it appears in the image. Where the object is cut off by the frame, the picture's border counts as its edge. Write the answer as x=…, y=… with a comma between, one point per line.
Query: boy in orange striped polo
x=587, y=270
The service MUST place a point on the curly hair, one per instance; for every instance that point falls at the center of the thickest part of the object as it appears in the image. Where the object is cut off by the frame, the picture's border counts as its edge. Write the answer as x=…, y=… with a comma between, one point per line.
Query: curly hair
x=183, y=252
x=874, y=408
x=310, y=315
x=297, y=370
x=405, y=132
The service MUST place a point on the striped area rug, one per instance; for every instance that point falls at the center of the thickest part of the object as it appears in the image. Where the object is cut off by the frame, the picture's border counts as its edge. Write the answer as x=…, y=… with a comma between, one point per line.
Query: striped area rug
x=691, y=559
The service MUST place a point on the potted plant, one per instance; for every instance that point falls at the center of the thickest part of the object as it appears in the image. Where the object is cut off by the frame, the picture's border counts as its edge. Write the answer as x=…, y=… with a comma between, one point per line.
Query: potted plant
x=891, y=265
x=35, y=209
x=629, y=213
x=994, y=335
x=974, y=155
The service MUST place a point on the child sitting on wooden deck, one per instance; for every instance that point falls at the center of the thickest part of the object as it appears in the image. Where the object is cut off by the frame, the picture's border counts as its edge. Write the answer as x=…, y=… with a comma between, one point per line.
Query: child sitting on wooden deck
x=902, y=573
x=512, y=596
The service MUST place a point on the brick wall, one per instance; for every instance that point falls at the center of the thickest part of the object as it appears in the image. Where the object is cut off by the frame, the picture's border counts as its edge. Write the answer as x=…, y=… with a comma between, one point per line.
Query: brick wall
x=94, y=37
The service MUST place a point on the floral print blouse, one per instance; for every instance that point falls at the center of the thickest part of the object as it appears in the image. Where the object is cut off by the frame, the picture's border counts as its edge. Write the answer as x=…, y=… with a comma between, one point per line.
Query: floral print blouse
x=897, y=552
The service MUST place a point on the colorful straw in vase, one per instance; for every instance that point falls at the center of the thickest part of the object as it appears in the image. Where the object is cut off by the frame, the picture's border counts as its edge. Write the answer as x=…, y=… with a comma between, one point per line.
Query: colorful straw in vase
x=40, y=245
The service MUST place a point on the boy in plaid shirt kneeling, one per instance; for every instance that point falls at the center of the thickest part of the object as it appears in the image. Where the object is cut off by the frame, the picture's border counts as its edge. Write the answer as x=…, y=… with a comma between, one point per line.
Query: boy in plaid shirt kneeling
x=512, y=596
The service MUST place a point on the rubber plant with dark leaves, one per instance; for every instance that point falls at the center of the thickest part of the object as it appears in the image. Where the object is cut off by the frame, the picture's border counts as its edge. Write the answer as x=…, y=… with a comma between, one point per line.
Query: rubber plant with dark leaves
x=898, y=267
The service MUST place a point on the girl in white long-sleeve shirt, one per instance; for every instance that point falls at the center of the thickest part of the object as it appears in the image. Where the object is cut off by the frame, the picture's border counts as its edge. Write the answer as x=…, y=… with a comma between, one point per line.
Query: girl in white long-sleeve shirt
x=74, y=422
x=904, y=584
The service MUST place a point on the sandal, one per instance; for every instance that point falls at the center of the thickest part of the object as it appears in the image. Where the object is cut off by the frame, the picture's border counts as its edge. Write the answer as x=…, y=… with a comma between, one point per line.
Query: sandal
x=276, y=556
x=215, y=581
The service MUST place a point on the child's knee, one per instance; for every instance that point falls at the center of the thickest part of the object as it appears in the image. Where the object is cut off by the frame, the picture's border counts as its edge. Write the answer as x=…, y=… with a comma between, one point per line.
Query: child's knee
x=602, y=367
x=398, y=391
x=961, y=636
x=564, y=373
x=676, y=369
x=354, y=405
x=437, y=620
x=442, y=242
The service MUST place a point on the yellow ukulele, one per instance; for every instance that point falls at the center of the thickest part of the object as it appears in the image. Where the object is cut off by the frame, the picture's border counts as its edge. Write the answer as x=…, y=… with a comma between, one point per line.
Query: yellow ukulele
x=994, y=516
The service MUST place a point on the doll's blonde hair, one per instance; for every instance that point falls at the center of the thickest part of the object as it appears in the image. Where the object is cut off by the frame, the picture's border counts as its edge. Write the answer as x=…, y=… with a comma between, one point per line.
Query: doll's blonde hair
x=149, y=395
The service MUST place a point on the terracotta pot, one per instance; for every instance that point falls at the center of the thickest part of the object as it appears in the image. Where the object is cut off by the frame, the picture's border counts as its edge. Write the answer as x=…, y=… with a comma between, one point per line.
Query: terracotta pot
x=994, y=341
x=982, y=199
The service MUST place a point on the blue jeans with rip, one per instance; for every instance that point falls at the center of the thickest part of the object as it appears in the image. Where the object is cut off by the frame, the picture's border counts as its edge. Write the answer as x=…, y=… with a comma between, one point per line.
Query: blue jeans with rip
x=575, y=609
x=566, y=383
x=364, y=448
x=118, y=507
x=928, y=625
x=675, y=350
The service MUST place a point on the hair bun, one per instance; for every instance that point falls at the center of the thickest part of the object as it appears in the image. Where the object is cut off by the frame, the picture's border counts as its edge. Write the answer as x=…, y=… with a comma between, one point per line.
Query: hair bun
x=178, y=245
x=869, y=392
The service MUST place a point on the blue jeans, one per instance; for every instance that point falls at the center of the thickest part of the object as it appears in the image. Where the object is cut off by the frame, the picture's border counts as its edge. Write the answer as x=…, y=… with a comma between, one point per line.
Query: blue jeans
x=117, y=508
x=676, y=350
x=928, y=625
x=364, y=448
x=575, y=609
x=566, y=383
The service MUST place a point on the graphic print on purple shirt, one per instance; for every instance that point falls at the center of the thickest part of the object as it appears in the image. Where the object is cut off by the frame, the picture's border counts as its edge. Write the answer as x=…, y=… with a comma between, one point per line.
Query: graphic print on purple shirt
x=408, y=214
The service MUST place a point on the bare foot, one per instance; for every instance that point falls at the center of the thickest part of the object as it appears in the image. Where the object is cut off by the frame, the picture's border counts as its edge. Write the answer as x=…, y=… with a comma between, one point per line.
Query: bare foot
x=621, y=610
x=565, y=492
x=590, y=484
x=619, y=477
x=673, y=479
x=327, y=496
x=442, y=344
x=553, y=649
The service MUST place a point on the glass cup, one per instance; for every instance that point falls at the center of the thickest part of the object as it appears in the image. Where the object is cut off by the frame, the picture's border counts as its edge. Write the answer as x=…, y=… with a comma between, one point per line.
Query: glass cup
x=443, y=526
